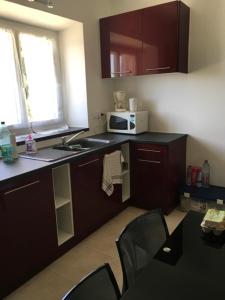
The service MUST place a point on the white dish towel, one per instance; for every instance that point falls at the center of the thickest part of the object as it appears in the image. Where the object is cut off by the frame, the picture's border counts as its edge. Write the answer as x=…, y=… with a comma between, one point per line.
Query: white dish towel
x=112, y=171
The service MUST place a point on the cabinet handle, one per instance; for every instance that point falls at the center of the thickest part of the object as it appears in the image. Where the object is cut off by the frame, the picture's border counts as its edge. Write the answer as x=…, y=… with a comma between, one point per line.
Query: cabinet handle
x=22, y=187
x=88, y=163
x=149, y=150
x=126, y=72
x=150, y=161
x=159, y=68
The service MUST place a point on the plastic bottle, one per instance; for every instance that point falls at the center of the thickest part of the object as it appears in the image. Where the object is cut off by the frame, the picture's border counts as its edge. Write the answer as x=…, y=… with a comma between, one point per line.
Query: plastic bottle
x=4, y=137
x=13, y=144
x=4, y=134
x=194, y=174
x=199, y=178
x=30, y=145
x=205, y=174
x=7, y=153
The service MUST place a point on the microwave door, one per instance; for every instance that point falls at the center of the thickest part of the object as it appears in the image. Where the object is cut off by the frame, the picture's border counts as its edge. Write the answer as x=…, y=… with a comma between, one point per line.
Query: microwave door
x=118, y=123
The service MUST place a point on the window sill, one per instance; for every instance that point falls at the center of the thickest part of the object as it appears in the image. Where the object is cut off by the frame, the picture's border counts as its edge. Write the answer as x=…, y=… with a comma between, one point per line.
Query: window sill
x=20, y=140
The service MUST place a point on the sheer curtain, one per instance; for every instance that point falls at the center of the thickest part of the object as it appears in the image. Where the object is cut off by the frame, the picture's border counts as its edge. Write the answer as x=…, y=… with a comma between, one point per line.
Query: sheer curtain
x=43, y=97
x=30, y=90
x=12, y=105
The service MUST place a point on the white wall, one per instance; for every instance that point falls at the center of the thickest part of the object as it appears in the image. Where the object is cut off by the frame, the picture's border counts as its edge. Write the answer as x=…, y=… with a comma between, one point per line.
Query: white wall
x=192, y=103
x=71, y=41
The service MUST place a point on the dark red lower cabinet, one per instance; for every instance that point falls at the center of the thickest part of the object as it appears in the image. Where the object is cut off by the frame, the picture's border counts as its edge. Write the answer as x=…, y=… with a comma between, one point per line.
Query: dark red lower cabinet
x=27, y=230
x=157, y=172
x=92, y=207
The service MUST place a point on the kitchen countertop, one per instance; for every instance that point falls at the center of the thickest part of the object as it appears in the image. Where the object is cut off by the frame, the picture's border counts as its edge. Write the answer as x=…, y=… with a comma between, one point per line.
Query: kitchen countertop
x=24, y=166
x=147, y=137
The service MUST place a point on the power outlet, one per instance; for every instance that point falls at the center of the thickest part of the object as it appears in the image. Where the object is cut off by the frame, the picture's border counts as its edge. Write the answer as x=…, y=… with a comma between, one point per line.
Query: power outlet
x=99, y=115
x=96, y=115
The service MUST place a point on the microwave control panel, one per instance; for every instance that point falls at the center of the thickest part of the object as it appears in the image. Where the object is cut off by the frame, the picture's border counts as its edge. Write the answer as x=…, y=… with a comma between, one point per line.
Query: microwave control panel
x=132, y=121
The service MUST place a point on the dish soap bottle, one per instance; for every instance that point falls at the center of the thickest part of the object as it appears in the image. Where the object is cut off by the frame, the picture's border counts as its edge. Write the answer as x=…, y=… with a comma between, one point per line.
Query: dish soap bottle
x=30, y=145
x=205, y=174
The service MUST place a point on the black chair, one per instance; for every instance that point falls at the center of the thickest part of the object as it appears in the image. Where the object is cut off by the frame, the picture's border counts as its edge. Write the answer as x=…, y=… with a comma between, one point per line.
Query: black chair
x=138, y=243
x=98, y=285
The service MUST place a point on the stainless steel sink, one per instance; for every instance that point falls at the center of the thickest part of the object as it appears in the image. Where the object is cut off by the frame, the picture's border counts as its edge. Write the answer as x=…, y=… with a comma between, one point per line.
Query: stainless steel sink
x=48, y=154
x=83, y=144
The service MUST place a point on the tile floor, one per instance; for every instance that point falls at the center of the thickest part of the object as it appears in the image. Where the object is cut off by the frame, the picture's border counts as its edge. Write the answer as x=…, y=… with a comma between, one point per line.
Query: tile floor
x=98, y=248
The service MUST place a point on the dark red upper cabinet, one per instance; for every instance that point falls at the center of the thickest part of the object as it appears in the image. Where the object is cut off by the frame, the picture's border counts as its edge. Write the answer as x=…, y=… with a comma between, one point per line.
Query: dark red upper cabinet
x=165, y=29
x=146, y=41
x=121, y=45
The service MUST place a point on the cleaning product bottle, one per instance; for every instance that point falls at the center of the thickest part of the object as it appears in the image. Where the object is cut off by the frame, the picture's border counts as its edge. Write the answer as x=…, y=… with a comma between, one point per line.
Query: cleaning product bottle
x=30, y=145
x=205, y=174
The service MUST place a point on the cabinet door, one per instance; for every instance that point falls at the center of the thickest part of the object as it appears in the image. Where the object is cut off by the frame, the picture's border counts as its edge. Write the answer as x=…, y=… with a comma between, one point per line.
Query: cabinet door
x=160, y=38
x=86, y=192
x=121, y=45
x=149, y=175
x=4, y=258
x=92, y=207
x=28, y=229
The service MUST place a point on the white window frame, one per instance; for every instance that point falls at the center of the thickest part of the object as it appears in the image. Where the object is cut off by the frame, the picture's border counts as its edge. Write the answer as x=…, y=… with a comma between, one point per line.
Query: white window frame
x=17, y=27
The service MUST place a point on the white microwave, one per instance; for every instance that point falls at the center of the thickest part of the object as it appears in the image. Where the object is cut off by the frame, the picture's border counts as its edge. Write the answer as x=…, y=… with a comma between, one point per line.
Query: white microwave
x=127, y=122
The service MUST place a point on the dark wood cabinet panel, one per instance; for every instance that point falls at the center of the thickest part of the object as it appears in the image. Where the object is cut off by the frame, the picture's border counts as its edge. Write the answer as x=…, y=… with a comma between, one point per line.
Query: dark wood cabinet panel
x=86, y=190
x=28, y=230
x=146, y=41
x=160, y=38
x=92, y=207
x=121, y=45
x=157, y=172
x=165, y=30
x=150, y=177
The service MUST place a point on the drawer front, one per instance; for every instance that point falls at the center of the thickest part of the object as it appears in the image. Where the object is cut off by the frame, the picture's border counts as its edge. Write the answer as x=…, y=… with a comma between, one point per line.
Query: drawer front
x=150, y=153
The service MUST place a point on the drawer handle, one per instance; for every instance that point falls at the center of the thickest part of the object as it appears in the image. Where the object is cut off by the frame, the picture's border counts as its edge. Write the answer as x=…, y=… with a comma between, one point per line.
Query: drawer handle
x=88, y=163
x=149, y=150
x=22, y=187
x=150, y=161
x=160, y=68
x=125, y=72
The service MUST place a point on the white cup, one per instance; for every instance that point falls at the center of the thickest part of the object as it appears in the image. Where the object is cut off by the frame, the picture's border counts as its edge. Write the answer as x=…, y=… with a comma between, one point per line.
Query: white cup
x=133, y=104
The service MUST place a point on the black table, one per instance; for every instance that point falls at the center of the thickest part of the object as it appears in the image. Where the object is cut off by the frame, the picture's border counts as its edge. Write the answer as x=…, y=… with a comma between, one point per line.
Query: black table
x=193, y=269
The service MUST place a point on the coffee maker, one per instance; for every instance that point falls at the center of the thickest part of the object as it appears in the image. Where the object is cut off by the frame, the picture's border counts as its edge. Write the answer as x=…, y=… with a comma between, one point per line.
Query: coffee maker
x=120, y=101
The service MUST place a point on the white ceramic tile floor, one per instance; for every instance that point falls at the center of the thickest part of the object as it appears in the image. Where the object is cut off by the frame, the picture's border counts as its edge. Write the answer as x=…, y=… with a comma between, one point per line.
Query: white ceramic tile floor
x=54, y=281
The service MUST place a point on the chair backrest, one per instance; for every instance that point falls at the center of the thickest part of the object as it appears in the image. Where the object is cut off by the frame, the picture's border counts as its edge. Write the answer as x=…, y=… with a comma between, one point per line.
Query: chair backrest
x=98, y=285
x=138, y=243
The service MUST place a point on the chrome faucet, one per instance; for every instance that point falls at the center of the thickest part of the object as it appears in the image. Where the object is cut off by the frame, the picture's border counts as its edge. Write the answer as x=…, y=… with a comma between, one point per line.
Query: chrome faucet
x=64, y=142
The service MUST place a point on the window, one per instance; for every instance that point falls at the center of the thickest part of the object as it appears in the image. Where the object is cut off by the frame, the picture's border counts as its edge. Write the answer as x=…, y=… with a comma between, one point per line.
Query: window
x=30, y=90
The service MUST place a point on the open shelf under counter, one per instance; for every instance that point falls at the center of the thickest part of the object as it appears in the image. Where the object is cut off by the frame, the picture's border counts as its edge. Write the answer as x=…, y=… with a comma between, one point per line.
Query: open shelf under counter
x=63, y=236
x=63, y=203
x=64, y=223
x=59, y=202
